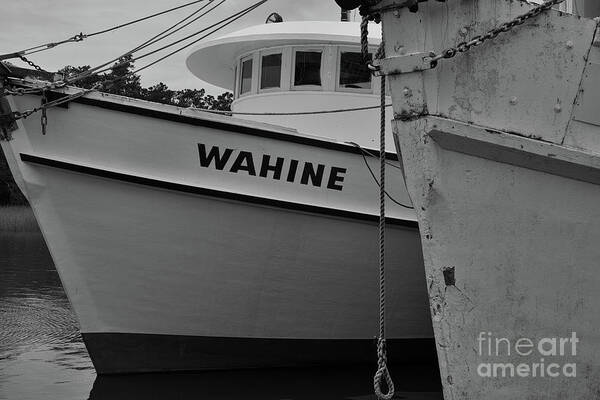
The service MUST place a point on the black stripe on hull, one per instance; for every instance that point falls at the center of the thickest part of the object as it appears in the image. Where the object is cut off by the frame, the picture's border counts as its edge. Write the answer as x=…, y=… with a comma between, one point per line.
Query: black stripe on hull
x=118, y=353
x=211, y=192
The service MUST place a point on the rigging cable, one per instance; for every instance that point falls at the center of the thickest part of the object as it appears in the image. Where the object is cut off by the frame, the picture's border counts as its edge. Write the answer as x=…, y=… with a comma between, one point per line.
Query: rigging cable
x=100, y=68
x=225, y=21
x=232, y=18
x=155, y=39
x=363, y=152
x=333, y=111
x=80, y=36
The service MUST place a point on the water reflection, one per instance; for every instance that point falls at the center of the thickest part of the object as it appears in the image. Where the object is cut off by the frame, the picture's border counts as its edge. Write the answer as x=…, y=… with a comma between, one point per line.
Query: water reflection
x=35, y=310
x=42, y=355
x=41, y=352
x=297, y=384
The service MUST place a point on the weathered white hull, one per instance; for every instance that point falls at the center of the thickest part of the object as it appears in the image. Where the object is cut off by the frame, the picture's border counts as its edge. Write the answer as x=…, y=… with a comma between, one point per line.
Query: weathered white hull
x=522, y=244
x=171, y=265
x=502, y=162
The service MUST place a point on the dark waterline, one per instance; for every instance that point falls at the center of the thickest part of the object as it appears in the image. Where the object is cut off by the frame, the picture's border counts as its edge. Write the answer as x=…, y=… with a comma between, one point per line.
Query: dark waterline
x=42, y=355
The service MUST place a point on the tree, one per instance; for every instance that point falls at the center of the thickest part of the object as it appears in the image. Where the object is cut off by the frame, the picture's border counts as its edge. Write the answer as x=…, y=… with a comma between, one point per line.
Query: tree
x=159, y=93
x=122, y=80
x=190, y=98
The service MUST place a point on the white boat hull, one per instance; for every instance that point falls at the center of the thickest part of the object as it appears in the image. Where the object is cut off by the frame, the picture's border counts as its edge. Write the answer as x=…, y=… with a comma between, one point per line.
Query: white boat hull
x=172, y=265
x=511, y=253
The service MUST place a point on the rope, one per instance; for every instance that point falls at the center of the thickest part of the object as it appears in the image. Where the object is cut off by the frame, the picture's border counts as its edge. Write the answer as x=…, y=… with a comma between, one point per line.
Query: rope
x=364, y=42
x=364, y=39
x=334, y=111
x=382, y=370
x=363, y=152
x=368, y=153
x=81, y=36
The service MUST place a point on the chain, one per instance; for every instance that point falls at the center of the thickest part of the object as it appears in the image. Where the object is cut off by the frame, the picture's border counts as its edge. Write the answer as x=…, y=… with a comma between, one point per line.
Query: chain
x=480, y=39
x=44, y=117
x=31, y=63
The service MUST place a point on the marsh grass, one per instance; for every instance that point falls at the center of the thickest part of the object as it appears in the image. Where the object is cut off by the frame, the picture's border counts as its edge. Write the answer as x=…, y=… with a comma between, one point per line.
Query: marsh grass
x=17, y=219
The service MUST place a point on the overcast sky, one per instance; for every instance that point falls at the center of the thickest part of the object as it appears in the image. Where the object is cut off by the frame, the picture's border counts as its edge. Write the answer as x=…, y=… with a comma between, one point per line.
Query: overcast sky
x=26, y=23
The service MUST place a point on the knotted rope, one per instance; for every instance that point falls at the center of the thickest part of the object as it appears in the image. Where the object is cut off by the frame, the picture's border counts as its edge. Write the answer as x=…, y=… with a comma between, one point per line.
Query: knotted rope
x=382, y=370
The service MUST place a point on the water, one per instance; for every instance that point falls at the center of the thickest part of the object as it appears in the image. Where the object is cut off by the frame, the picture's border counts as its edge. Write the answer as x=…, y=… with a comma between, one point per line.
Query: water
x=42, y=355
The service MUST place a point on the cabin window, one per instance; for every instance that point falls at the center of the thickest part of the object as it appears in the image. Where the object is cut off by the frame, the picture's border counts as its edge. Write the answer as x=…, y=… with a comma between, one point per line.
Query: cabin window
x=354, y=74
x=270, y=73
x=246, y=76
x=307, y=68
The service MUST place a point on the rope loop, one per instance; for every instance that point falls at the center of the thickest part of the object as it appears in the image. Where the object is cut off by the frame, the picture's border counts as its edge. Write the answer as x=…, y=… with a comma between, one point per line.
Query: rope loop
x=382, y=372
x=364, y=44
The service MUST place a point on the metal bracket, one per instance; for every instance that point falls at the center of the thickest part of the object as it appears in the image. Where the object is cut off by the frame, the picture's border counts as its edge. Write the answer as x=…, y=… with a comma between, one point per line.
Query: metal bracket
x=405, y=64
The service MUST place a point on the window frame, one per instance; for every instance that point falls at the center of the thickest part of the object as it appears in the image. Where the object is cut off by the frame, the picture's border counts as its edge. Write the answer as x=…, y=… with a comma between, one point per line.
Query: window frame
x=318, y=49
x=236, y=93
x=338, y=72
x=269, y=52
x=250, y=56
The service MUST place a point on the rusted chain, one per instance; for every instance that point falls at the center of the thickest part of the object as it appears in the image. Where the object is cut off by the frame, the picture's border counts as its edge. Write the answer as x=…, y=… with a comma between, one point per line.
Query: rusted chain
x=450, y=52
x=463, y=47
x=32, y=64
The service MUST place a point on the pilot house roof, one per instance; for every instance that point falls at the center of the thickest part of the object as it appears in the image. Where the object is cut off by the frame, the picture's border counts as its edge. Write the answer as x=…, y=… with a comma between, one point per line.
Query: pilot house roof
x=214, y=60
